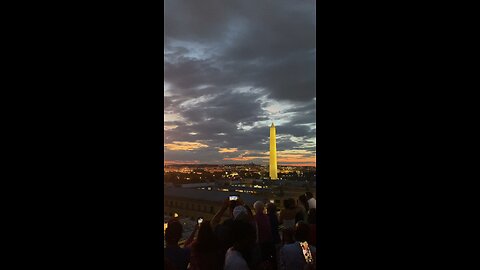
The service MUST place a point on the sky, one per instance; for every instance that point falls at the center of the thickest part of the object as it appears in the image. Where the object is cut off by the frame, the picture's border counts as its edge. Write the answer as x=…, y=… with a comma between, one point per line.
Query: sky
x=231, y=68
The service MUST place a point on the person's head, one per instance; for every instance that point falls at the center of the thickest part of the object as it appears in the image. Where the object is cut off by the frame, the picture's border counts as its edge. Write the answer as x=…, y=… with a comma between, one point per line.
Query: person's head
x=239, y=212
x=309, y=195
x=259, y=207
x=243, y=235
x=271, y=208
x=312, y=216
x=173, y=233
x=206, y=239
x=303, y=201
x=243, y=216
x=301, y=231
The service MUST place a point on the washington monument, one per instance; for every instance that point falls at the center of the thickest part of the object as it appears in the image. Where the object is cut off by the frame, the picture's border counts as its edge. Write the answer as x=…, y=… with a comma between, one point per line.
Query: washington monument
x=273, y=153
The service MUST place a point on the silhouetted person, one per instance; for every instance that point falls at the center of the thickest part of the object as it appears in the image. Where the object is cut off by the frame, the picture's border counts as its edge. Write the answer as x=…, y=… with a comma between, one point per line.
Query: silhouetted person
x=238, y=257
x=223, y=230
x=303, y=202
x=287, y=216
x=205, y=250
x=274, y=223
x=244, y=214
x=312, y=203
x=227, y=204
x=291, y=255
x=175, y=255
x=264, y=233
x=301, y=210
x=272, y=215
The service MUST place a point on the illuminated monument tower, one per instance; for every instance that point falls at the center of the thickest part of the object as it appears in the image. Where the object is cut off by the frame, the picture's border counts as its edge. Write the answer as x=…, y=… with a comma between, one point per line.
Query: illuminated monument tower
x=273, y=153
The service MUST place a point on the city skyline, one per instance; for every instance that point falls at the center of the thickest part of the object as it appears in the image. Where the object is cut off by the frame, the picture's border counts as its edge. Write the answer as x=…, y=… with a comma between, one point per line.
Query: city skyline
x=231, y=69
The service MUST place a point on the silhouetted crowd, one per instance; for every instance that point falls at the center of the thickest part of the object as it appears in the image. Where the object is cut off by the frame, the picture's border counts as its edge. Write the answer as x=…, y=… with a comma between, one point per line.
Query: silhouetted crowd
x=248, y=241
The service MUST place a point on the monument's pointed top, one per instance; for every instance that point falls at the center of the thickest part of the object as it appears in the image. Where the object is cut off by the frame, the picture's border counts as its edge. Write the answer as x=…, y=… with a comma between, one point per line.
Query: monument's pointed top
x=273, y=125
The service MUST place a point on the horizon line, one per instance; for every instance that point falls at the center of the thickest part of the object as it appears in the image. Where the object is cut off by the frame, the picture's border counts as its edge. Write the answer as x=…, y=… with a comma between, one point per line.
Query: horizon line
x=220, y=164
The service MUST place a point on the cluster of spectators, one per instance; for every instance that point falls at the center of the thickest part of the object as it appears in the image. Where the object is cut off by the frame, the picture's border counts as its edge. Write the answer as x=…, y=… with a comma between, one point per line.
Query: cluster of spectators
x=247, y=240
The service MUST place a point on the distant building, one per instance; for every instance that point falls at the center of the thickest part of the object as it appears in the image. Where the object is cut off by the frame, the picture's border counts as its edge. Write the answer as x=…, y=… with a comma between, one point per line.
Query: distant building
x=197, y=185
x=194, y=203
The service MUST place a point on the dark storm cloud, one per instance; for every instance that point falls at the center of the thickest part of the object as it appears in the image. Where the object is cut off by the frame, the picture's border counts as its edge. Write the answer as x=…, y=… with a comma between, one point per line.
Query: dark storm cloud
x=275, y=41
x=304, y=119
x=286, y=145
x=189, y=73
x=304, y=114
x=224, y=60
x=196, y=20
x=295, y=130
x=231, y=107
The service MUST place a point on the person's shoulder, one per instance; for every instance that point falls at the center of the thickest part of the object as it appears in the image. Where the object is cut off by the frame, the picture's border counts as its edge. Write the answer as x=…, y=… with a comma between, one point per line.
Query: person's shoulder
x=235, y=262
x=233, y=256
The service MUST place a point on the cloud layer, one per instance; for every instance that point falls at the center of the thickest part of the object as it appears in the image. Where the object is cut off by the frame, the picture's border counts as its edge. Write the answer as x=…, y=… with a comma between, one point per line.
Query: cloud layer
x=232, y=68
